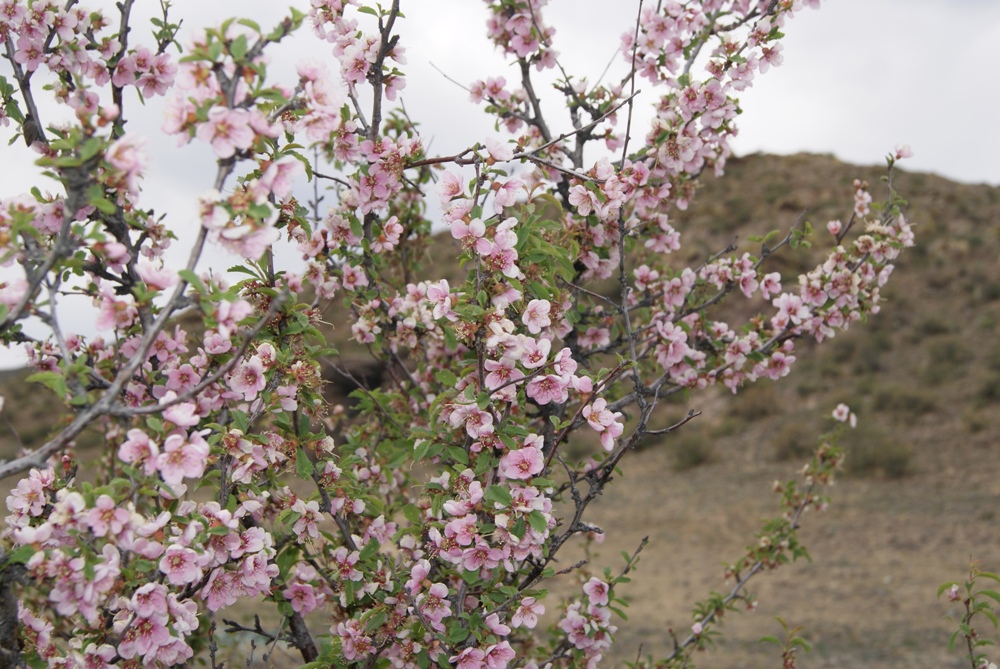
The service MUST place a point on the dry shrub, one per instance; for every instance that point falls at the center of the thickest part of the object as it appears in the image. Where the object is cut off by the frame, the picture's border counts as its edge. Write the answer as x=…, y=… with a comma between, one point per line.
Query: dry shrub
x=903, y=400
x=871, y=451
x=795, y=440
x=692, y=449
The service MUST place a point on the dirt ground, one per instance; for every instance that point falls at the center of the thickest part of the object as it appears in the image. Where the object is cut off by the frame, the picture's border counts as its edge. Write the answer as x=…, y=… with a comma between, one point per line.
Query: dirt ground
x=879, y=553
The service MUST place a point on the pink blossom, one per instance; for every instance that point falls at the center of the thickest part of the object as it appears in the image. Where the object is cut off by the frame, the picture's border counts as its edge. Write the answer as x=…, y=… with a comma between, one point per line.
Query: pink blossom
x=157, y=278
x=597, y=590
x=536, y=315
x=12, y=291
x=143, y=636
x=183, y=414
x=472, y=235
x=501, y=373
x=498, y=656
x=227, y=130
x=303, y=597
x=220, y=591
x=522, y=463
x=126, y=155
x=770, y=285
x=106, y=517
x=308, y=516
x=497, y=627
x=277, y=178
x=248, y=378
x=470, y=658
x=548, y=388
x=138, y=449
x=180, y=565
x=604, y=421
x=150, y=601
x=434, y=605
x=354, y=277
x=499, y=151
x=448, y=187
x=844, y=414
x=29, y=52
x=527, y=613
x=182, y=458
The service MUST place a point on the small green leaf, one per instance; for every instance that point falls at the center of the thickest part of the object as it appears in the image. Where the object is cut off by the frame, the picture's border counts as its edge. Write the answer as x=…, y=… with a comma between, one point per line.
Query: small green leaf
x=144, y=566
x=238, y=48
x=498, y=495
x=412, y=513
x=992, y=594
x=370, y=550
x=446, y=378
x=303, y=465
x=21, y=555
x=51, y=380
x=192, y=279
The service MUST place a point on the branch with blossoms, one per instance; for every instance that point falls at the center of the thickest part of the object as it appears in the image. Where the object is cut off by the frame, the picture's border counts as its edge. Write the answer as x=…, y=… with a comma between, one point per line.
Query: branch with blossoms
x=424, y=523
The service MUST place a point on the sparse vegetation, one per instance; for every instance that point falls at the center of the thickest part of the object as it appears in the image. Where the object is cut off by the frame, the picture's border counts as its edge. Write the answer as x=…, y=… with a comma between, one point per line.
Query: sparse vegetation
x=873, y=451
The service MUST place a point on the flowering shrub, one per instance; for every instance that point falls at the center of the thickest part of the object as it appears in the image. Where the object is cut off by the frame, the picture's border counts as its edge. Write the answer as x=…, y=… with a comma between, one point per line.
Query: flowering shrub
x=422, y=529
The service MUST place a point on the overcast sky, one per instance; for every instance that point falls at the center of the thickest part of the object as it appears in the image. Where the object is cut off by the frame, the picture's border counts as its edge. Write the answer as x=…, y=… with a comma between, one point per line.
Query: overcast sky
x=859, y=77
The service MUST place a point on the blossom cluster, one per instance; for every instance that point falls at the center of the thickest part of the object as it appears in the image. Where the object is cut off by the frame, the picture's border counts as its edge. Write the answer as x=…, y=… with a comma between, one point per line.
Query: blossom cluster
x=422, y=519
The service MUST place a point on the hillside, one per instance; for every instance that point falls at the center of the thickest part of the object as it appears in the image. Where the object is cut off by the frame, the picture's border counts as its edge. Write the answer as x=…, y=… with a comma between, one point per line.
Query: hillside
x=923, y=482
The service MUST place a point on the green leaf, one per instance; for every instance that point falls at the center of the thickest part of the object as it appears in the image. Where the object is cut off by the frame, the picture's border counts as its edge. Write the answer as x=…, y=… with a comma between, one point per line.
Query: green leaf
x=90, y=148
x=144, y=566
x=286, y=560
x=944, y=587
x=498, y=495
x=537, y=521
x=412, y=513
x=214, y=50
x=458, y=634
x=103, y=204
x=370, y=549
x=253, y=25
x=458, y=454
x=243, y=270
x=192, y=279
x=446, y=378
x=992, y=594
x=376, y=621
x=51, y=380
x=238, y=48
x=21, y=555
x=303, y=465
x=619, y=612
